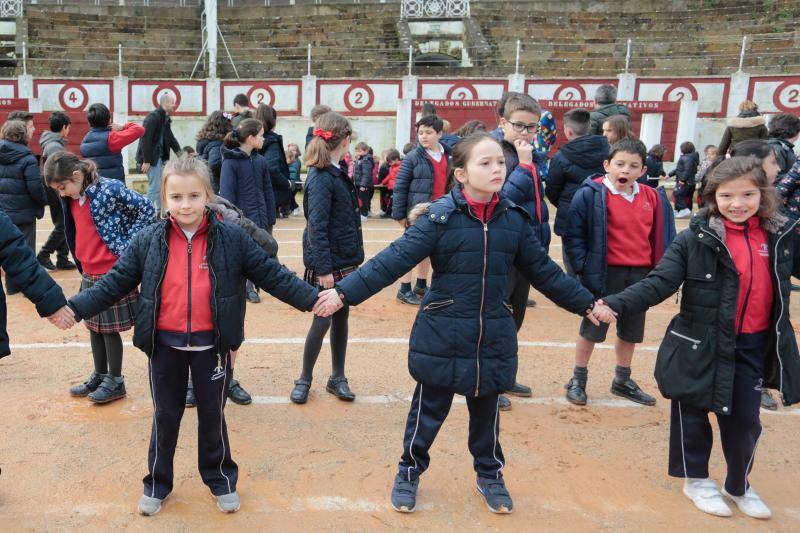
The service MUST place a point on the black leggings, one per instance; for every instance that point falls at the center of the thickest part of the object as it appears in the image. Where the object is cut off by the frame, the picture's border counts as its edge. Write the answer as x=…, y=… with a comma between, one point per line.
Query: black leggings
x=319, y=327
x=107, y=353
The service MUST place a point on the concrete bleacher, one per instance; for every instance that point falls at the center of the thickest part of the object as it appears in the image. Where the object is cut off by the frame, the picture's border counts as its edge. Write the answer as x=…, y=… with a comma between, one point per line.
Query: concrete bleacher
x=573, y=38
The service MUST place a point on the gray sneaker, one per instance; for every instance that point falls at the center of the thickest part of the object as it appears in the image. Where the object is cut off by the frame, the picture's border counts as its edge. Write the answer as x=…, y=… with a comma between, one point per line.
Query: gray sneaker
x=149, y=506
x=88, y=386
x=228, y=503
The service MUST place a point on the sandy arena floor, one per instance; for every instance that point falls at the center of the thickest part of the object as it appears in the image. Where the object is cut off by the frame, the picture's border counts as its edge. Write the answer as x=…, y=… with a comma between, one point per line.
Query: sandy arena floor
x=327, y=465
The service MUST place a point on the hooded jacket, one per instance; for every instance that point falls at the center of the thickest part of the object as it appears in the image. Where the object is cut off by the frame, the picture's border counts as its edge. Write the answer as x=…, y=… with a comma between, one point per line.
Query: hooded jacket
x=245, y=182
x=740, y=129
x=22, y=194
x=51, y=142
x=570, y=166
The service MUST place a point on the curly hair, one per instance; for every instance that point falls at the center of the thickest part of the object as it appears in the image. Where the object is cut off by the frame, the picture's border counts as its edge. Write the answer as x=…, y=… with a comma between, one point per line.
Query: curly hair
x=216, y=127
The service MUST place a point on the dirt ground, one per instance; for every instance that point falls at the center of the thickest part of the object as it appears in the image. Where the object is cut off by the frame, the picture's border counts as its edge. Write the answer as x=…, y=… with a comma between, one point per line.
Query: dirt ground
x=327, y=465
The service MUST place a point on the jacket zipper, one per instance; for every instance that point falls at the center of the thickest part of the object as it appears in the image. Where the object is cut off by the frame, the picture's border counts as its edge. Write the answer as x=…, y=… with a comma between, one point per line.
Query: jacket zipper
x=189, y=292
x=695, y=341
x=480, y=316
x=209, y=248
x=750, y=281
x=437, y=305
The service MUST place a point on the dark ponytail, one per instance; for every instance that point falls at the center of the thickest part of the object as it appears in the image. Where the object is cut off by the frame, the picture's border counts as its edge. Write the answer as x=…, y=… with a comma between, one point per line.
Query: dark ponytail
x=248, y=127
x=60, y=166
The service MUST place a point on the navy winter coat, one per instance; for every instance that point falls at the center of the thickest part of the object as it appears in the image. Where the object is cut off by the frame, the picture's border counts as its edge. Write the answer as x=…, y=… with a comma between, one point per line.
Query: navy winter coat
x=245, y=182
x=686, y=169
x=586, y=237
x=22, y=194
x=211, y=151
x=363, y=172
x=570, y=166
x=95, y=147
x=232, y=257
x=696, y=360
x=19, y=263
x=519, y=189
x=332, y=239
x=275, y=155
x=464, y=338
x=414, y=182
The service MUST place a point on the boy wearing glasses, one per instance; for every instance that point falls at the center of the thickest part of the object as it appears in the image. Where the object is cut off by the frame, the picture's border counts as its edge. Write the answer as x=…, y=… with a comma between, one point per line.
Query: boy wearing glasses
x=518, y=125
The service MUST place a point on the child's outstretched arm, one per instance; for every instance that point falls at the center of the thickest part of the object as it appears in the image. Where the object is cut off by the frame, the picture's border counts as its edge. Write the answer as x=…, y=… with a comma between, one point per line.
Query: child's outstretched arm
x=661, y=283
x=417, y=243
x=268, y=274
x=545, y=275
x=575, y=239
x=125, y=276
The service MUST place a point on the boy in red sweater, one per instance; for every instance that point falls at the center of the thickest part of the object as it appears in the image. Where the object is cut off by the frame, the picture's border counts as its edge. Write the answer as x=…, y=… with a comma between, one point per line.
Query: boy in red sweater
x=617, y=233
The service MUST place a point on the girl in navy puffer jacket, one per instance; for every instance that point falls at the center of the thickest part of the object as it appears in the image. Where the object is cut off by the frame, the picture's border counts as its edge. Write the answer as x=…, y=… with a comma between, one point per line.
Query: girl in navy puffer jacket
x=464, y=339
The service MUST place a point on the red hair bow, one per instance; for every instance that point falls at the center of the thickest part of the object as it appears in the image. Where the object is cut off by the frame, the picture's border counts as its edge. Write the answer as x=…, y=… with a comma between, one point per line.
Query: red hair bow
x=327, y=135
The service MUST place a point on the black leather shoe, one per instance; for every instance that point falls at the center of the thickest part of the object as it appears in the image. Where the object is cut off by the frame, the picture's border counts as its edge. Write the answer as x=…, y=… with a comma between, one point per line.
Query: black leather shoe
x=339, y=388
x=630, y=390
x=576, y=392
x=520, y=390
x=65, y=264
x=237, y=394
x=419, y=292
x=45, y=261
x=300, y=391
x=767, y=401
x=88, y=386
x=191, y=400
x=253, y=297
x=531, y=302
x=503, y=403
x=110, y=389
x=408, y=298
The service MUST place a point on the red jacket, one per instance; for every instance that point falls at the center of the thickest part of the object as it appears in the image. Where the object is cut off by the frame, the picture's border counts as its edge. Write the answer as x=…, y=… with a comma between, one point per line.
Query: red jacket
x=749, y=250
x=388, y=181
x=185, y=317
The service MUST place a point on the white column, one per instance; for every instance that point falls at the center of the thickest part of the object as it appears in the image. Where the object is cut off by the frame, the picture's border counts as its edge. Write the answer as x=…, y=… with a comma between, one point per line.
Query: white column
x=403, y=123
x=309, y=94
x=687, y=125
x=211, y=36
x=25, y=90
x=740, y=83
x=213, y=88
x=410, y=87
x=650, y=132
x=626, y=87
x=121, y=110
x=516, y=83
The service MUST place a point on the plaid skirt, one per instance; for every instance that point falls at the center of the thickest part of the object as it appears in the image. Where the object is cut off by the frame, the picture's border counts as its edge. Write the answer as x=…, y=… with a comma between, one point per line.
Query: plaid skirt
x=311, y=277
x=119, y=317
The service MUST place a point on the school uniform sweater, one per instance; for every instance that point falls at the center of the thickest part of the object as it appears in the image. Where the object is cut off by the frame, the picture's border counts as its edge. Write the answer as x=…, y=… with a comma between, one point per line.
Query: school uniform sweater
x=90, y=250
x=630, y=226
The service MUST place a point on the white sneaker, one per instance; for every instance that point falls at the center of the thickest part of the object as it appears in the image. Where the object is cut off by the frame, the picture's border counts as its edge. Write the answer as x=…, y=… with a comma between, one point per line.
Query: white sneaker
x=364, y=219
x=706, y=496
x=683, y=213
x=296, y=212
x=750, y=504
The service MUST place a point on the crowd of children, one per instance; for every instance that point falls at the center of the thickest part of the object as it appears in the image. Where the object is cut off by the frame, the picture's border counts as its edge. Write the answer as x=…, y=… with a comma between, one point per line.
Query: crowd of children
x=472, y=205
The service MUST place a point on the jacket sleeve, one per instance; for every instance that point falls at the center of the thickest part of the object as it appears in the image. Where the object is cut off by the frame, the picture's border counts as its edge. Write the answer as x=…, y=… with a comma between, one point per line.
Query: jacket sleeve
x=576, y=236
x=788, y=184
x=402, y=184
x=117, y=140
x=215, y=160
x=170, y=137
x=763, y=132
x=417, y=243
x=545, y=275
x=320, y=204
x=228, y=179
x=268, y=274
x=519, y=186
x=661, y=283
x=595, y=124
x=20, y=265
x=276, y=161
x=138, y=210
x=232, y=214
x=148, y=140
x=555, y=180
x=725, y=143
x=124, y=276
x=367, y=165
x=34, y=182
x=680, y=169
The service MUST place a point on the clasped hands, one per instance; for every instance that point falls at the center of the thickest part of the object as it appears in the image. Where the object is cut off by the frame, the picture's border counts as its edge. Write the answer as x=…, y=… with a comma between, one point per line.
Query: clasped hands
x=601, y=313
x=64, y=318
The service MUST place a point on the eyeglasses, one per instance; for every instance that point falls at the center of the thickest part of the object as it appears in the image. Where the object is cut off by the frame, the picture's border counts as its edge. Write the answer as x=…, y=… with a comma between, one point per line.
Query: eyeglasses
x=519, y=127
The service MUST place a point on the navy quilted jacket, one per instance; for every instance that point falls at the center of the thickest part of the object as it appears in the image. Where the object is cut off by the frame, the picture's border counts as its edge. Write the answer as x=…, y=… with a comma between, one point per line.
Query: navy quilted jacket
x=95, y=147
x=332, y=239
x=245, y=182
x=464, y=338
x=22, y=194
x=414, y=182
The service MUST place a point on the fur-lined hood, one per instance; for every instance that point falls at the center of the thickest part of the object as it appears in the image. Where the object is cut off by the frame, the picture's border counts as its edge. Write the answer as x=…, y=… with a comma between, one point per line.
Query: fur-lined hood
x=746, y=122
x=773, y=224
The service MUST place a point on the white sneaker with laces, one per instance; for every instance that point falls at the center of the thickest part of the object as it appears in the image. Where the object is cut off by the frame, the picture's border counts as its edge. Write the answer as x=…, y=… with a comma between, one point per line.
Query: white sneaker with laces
x=706, y=496
x=750, y=504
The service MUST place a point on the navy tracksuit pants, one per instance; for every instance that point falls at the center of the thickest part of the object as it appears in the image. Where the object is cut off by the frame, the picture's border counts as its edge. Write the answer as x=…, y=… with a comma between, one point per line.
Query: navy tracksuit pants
x=429, y=408
x=169, y=373
x=691, y=438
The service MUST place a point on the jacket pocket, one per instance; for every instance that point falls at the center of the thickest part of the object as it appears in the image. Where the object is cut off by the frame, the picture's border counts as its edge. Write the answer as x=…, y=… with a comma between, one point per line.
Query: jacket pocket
x=439, y=304
x=686, y=363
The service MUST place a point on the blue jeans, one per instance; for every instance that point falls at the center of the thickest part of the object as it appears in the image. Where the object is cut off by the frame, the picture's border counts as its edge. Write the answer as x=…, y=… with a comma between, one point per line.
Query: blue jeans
x=154, y=184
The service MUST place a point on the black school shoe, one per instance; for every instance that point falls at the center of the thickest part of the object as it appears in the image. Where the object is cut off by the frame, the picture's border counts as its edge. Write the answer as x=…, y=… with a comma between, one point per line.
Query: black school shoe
x=110, y=389
x=339, y=388
x=88, y=386
x=300, y=391
x=65, y=264
x=520, y=390
x=45, y=261
x=419, y=292
x=237, y=394
x=503, y=403
x=630, y=390
x=404, y=494
x=767, y=401
x=253, y=297
x=495, y=494
x=408, y=298
x=576, y=392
